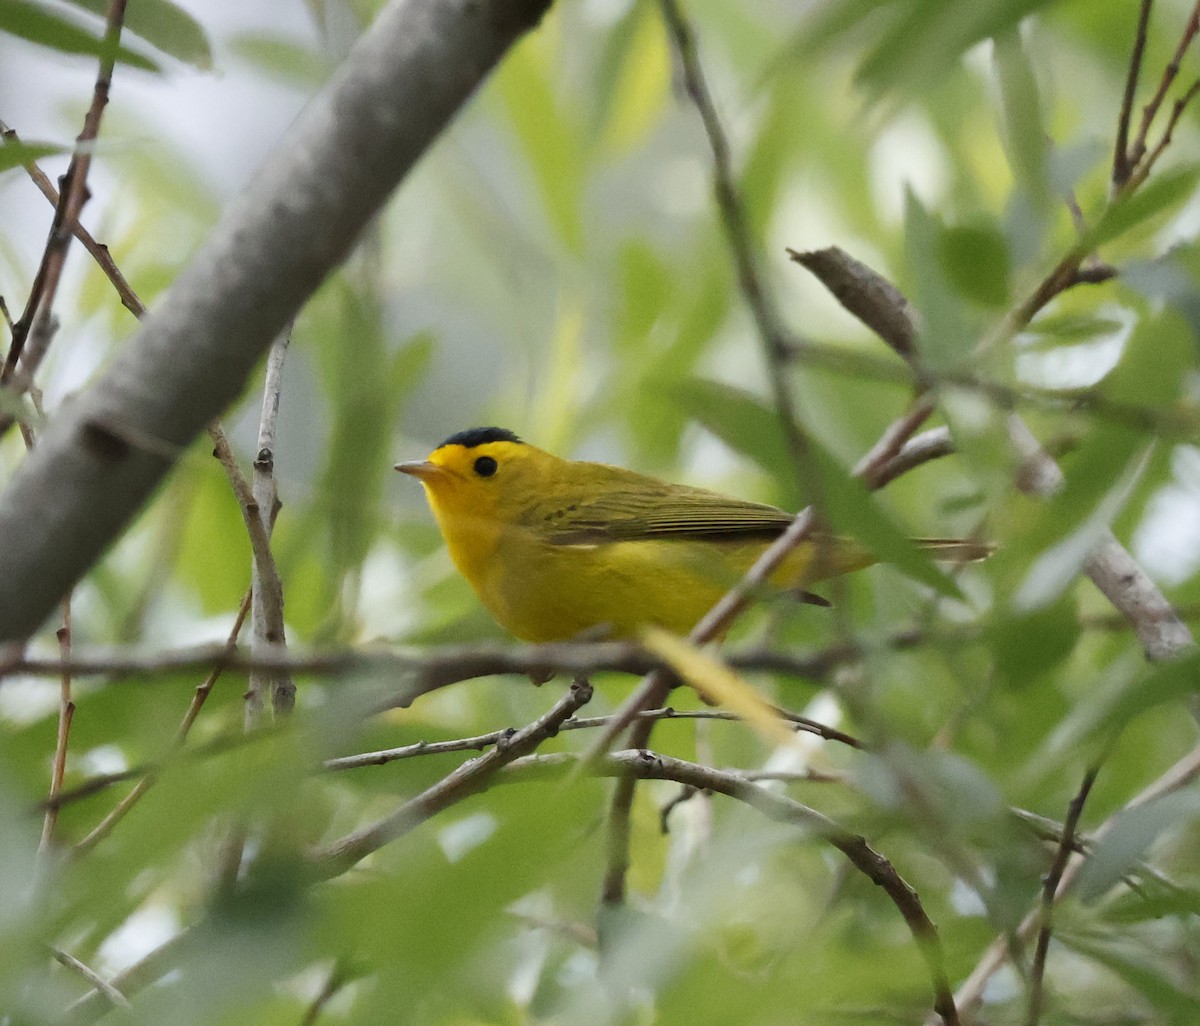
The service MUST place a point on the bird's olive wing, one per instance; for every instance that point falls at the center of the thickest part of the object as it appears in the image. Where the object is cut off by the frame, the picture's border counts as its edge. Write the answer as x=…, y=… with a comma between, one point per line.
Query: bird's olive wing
x=666, y=511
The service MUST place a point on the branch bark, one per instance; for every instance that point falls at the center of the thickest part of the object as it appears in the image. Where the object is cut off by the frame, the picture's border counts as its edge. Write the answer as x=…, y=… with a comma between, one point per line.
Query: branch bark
x=104, y=454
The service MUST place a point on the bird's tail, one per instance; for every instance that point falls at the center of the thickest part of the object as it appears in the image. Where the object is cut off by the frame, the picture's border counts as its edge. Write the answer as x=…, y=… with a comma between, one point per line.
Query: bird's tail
x=956, y=550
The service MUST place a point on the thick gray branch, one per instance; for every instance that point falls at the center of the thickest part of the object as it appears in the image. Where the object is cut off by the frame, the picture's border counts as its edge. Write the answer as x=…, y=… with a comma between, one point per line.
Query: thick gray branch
x=106, y=451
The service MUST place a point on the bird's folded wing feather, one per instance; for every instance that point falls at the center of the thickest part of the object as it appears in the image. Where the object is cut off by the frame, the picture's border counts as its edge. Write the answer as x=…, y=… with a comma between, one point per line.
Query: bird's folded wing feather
x=655, y=513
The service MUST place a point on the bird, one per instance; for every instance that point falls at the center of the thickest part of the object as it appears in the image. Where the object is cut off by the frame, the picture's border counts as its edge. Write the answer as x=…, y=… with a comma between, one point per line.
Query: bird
x=557, y=549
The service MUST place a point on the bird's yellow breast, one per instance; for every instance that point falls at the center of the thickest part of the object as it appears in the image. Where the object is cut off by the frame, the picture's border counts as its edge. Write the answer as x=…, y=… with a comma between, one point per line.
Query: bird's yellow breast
x=540, y=591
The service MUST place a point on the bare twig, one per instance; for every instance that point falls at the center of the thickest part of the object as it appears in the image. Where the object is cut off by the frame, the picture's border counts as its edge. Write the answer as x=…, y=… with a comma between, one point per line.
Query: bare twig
x=1163, y=635
x=256, y=528
x=776, y=339
x=267, y=584
x=923, y=448
x=1037, y=972
x=98, y=251
x=105, y=826
x=481, y=741
x=66, y=713
x=429, y=670
x=970, y=993
x=141, y=974
x=114, y=996
x=229, y=742
x=1177, y=109
x=334, y=982
x=470, y=778
x=653, y=766
x=38, y=316
x=1122, y=161
x=868, y=296
x=267, y=613
x=1170, y=73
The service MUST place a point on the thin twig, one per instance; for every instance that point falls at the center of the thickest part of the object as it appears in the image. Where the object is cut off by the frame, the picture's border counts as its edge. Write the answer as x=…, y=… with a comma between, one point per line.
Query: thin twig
x=98, y=251
x=470, y=778
x=146, y=971
x=260, y=539
x=259, y=536
x=776, y=339
x=1121, y=156
x=229, y=742
x=102, y=829
x=114, y=996
x=969, y=994
x=1170, y=73
x=1177, y=109
x=652, y=766
x=38, y=313
x=334, y=982
x=494, y=737
x=267, y=614
x=450, y=664
x=1050, y=884
x=66, y=713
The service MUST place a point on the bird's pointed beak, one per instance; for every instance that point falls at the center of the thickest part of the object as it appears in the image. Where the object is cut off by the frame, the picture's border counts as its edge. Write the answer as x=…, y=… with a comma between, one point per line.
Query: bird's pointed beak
x=422, y=469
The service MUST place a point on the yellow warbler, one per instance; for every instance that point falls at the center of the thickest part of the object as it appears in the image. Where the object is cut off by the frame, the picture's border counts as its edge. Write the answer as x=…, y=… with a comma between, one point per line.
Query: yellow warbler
x=556, y=547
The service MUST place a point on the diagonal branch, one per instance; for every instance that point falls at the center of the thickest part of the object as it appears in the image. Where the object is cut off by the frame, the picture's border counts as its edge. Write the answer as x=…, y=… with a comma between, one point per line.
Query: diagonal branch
x=297, y=220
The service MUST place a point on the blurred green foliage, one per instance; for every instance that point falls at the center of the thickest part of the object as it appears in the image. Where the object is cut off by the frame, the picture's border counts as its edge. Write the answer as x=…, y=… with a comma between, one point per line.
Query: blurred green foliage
x=558, y=265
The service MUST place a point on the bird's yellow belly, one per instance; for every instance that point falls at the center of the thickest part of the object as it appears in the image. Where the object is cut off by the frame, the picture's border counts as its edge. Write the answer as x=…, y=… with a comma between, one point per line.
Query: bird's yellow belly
x=554, y=592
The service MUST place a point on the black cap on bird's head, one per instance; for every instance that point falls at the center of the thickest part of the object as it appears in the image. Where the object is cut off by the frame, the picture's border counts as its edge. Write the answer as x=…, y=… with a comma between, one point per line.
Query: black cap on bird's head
x=480, y=436
x=448, y=459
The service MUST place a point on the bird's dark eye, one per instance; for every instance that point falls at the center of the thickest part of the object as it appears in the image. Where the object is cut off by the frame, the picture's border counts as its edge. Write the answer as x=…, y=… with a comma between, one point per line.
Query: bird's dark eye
x=485, y=466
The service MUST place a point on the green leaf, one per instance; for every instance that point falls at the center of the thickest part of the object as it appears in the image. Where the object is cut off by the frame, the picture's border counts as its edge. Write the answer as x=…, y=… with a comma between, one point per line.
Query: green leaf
x=1174, y=279
x=926, y=38
x=1029, y=646
x=1166, y=190
x=1052, y=330
x=1132, y=834
x=646, y=288
x=284, y=59
x=642, y=83
x=1150, y=373
x=165, y=26
x=746, y=424
x=1132, y=691
x=549, y=137
x=1023, y=121
x=16, y=154
x=1153, y=979
x=37, y=24
x=946, y=339
x=975, y=263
